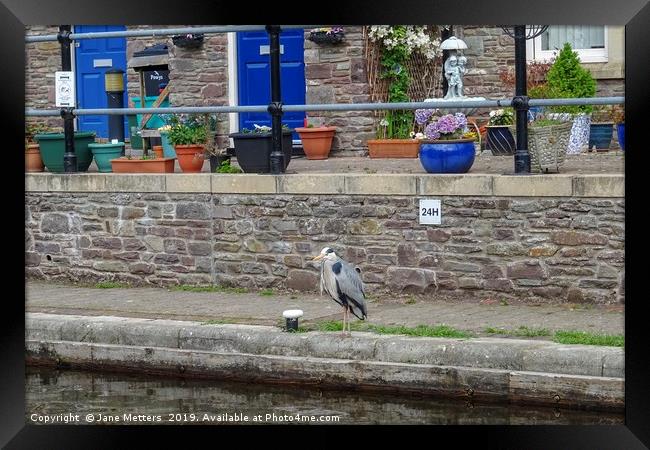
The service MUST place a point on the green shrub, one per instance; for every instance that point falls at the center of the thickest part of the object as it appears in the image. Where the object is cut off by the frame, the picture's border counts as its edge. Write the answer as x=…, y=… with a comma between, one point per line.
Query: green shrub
x=187, y=131
x=567, y=79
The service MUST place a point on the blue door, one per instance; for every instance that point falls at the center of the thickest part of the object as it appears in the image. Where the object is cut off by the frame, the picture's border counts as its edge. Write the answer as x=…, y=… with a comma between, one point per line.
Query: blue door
x=253, y=71
x=93, y=57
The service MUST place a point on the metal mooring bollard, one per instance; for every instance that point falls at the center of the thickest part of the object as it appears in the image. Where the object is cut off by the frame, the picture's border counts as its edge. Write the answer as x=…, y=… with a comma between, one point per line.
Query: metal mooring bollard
x=292, y=316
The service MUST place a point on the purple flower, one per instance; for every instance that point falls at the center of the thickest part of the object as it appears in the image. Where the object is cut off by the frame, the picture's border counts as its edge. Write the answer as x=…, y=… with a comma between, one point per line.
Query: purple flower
x=423, y=115
x=431, y=131
x=447, y=124
x=462, y=120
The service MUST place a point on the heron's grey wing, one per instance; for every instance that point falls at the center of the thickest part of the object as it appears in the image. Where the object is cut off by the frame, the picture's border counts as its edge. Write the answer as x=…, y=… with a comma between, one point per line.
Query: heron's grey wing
x=349, y=284
x=328, y=282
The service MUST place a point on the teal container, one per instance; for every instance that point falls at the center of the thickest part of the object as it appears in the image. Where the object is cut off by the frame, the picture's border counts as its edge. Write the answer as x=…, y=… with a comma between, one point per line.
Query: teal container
x=168, y=148
x=156, y=121
x=52, y=147
x=103, y=154
x=136, y=141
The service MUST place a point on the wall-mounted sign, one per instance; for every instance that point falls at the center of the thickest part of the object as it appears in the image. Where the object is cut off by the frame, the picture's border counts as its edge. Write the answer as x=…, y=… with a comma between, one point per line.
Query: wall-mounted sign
x=430, y=212
x=64, y=87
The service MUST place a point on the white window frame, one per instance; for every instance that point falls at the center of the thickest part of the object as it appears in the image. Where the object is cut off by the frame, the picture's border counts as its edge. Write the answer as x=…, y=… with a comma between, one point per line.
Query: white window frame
x=586, y=55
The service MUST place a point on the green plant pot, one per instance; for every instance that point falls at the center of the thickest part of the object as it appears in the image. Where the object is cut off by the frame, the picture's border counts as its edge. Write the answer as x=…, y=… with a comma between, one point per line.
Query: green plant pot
x=104, y=153
x=53, y=148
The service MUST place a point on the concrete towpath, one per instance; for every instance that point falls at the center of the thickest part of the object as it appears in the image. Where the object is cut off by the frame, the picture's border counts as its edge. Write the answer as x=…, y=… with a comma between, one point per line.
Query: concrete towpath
x=257, y=309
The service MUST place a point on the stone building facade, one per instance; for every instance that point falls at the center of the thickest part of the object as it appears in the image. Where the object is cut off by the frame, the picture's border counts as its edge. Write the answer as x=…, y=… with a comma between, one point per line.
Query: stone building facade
x=334, y=73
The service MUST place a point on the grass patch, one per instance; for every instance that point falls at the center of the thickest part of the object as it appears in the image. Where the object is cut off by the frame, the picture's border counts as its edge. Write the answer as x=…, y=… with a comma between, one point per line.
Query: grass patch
x=267, y=293
x=420, y=330
x=110, y=285
x=522, y=331
x=582, y=337
x=211, y=288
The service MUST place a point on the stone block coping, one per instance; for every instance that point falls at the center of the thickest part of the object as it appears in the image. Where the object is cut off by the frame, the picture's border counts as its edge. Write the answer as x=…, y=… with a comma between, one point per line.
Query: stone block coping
x=555, y=185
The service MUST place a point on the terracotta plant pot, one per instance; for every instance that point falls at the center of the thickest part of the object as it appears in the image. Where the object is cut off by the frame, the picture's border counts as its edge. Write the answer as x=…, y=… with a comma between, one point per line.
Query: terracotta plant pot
x=158, y=151
x=393, y=148
x=316, y=141
x=190, y=157
x=158, y=165
x=33, y=161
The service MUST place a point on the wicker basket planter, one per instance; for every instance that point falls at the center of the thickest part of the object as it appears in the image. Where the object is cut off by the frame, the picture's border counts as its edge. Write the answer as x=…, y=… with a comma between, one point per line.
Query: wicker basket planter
x=547, y=146
x=322, y=37
x=393, y=148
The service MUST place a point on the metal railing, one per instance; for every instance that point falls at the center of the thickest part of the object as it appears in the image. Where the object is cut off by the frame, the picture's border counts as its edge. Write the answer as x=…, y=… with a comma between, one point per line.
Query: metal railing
x=275, y=107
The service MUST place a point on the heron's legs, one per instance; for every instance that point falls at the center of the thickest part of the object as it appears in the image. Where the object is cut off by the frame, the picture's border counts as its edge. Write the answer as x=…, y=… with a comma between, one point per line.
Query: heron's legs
x=344, y=311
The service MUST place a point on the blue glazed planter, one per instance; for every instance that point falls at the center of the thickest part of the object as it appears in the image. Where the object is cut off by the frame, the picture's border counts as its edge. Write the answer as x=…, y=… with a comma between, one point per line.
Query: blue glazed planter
x=453, y=156
x=600, y=135
x=620, y=132
x=103, y=154
x=168, y=148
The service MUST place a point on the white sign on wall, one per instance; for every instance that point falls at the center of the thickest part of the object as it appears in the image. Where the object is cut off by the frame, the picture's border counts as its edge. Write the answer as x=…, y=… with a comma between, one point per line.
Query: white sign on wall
x=430, y=212
x=64, y=87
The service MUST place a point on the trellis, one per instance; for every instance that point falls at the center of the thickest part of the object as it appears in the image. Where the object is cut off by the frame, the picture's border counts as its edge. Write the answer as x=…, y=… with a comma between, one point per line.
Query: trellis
x=425, y=75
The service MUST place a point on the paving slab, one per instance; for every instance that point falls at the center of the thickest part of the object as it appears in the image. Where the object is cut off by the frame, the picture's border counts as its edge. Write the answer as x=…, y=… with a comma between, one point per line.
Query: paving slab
x=256, y=309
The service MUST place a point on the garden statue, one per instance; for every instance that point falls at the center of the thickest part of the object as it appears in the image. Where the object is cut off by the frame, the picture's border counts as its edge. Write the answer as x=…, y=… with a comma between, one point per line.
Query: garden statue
x=454, y=71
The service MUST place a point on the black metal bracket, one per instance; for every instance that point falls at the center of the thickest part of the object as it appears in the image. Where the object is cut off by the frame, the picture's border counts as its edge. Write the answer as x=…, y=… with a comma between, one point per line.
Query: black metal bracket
x=275, y=108
x=520, y=102
x=67, y=113
x=64, y=34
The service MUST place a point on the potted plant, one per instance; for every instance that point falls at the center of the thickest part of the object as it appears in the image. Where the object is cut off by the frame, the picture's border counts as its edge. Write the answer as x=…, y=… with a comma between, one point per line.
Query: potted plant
x=397, y=44
x=104, y=153
x=190, y=40
x=499, y=139
x=332, y=35
x=33, y=160
x=253, y=148
x=316, y=141
x=619, y=119
x=52, y=146
x=548, y=140
x=226, y=167
x=168, y=148
x=567, y=79
x=446, y=144
x=189, y=135
x=601, y=128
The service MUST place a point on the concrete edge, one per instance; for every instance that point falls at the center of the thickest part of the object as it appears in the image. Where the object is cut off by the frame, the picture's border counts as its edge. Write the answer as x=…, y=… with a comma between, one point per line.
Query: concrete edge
x=559, y=185
x=459, y=382
x=488, y=353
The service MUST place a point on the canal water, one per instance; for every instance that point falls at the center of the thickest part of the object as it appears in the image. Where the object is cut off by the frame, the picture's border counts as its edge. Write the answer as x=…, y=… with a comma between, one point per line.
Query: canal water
x=79, y=397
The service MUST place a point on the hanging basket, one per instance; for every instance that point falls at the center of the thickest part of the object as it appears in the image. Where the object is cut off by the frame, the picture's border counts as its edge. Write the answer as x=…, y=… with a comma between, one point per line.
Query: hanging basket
x=322, y=37
x=193, y=41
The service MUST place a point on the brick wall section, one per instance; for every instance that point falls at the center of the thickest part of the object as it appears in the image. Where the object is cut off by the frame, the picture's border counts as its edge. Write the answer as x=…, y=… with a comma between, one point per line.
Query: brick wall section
x=551, y=249
x=337, y=74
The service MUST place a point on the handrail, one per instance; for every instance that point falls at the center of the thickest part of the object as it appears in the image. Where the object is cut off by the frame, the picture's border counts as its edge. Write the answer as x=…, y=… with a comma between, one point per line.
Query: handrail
x=444, y=104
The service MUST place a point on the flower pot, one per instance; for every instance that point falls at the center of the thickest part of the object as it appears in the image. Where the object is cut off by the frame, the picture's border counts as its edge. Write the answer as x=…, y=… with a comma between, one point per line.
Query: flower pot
x=499, y=140
x=125, y=165
x=547, y=146
x=104, y=153
x=33, y=160
x=579, y=138
x=158, y=151
x=620, y=133
x=600, y=135
x=190, y=157
x=393, y=148
x=168, y=148
x=316, y=141
x=216, y=160
x=322, y=37
x=183, y=41
x=52, y=147
x=447, y=156
x=253, y=150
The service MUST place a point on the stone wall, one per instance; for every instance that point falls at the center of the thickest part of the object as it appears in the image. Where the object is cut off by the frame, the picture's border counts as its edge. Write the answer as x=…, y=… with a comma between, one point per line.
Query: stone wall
x=535, y=249
x=42, y=59
x=337, y=74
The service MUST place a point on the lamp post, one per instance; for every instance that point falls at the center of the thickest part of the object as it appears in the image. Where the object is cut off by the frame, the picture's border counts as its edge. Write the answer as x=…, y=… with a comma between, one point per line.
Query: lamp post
x=69, y=157
x=520, y=102
x=275, y=107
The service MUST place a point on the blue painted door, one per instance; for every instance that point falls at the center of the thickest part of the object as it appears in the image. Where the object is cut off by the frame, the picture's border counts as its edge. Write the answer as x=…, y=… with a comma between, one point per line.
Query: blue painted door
x=254, y=77
x=93, y=57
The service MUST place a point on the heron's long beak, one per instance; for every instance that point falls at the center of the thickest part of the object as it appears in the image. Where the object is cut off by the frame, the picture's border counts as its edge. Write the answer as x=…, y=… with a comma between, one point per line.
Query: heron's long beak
x=316, y=258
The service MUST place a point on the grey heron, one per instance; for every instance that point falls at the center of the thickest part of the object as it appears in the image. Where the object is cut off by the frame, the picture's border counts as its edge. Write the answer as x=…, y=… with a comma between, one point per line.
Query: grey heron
x=343, y=283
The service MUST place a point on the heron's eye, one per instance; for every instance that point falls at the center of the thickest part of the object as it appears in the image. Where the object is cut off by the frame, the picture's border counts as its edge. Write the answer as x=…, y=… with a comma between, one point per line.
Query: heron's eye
x=329, y=250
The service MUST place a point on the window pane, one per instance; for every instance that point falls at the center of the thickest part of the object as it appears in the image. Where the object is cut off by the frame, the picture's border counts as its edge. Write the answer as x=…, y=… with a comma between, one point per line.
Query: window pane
x=580, y=37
